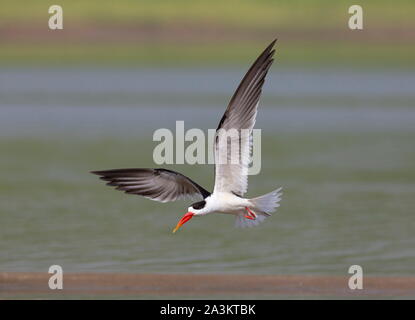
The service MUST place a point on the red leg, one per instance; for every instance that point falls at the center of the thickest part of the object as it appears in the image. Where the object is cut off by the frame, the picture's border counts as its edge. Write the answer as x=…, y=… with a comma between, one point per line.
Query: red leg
x=251, y=216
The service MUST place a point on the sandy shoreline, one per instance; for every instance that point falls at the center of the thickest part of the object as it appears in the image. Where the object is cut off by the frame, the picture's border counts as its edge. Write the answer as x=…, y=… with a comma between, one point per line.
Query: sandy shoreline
x=194, y=285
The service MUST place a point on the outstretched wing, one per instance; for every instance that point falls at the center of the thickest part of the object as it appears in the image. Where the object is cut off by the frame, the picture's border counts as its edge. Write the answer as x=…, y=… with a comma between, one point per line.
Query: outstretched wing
x=231, y=175
x=156, y=184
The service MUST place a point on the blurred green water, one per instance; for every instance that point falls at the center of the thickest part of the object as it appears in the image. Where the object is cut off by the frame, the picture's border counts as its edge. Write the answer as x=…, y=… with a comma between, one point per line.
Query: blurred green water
x=347, y=169
x=348, y=199
x=160, y=33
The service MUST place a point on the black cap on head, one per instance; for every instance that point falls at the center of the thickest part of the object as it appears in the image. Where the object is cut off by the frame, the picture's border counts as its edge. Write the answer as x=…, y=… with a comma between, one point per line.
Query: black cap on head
x=199, y=205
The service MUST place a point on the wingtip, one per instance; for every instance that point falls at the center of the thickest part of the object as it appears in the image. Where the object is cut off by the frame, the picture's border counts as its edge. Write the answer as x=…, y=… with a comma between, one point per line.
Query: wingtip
x=270, y=50
x=102, y=172
x=272, y=44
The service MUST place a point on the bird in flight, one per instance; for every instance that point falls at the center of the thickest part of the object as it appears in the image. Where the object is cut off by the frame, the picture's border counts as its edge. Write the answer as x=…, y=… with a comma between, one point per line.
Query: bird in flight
x=231, y=177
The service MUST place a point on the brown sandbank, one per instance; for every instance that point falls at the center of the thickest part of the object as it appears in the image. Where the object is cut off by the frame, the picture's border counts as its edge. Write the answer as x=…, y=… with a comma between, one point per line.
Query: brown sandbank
x=194, y=285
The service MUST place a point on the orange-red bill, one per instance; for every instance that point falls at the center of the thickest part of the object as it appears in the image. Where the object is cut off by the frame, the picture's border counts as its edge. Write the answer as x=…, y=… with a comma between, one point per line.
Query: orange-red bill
x=183, y=220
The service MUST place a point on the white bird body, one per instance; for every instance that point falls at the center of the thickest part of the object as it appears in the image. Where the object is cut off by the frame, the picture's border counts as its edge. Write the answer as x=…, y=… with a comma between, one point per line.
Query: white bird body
x=223, y=202
x=248, y=212
x=231, y=177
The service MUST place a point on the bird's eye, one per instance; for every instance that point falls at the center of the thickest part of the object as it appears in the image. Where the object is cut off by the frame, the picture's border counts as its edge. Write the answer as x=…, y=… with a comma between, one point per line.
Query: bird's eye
x=199, y=205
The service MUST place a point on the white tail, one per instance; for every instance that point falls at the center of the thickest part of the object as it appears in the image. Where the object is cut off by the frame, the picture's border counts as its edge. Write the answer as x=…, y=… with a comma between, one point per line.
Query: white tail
x=262, y=206
x=268, y=202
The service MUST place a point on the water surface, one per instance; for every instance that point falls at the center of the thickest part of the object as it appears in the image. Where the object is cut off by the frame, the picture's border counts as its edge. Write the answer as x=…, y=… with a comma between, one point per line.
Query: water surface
x=340, y=142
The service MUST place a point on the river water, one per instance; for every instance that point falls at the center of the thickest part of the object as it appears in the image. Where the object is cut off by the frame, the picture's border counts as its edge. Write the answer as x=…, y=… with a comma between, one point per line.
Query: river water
x=340, y=143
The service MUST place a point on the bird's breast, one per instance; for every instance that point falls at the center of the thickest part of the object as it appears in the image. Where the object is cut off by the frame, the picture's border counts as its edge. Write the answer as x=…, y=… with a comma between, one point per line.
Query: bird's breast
x=227, y=203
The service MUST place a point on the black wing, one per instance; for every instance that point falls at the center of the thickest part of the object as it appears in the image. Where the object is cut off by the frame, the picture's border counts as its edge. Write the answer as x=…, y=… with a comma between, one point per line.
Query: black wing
x=156, y=184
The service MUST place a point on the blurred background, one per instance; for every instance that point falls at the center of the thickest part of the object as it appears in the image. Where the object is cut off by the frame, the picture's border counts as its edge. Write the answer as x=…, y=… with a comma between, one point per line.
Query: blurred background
x=337, y=116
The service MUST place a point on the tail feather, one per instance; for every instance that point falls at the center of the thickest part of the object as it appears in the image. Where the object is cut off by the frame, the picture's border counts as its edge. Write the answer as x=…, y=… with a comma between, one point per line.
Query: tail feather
x=267, y=203
x=262, y=206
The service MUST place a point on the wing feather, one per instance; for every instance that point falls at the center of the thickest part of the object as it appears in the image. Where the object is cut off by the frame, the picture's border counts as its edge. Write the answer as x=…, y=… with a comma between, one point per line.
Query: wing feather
x=240, y=114
x=156, y=184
